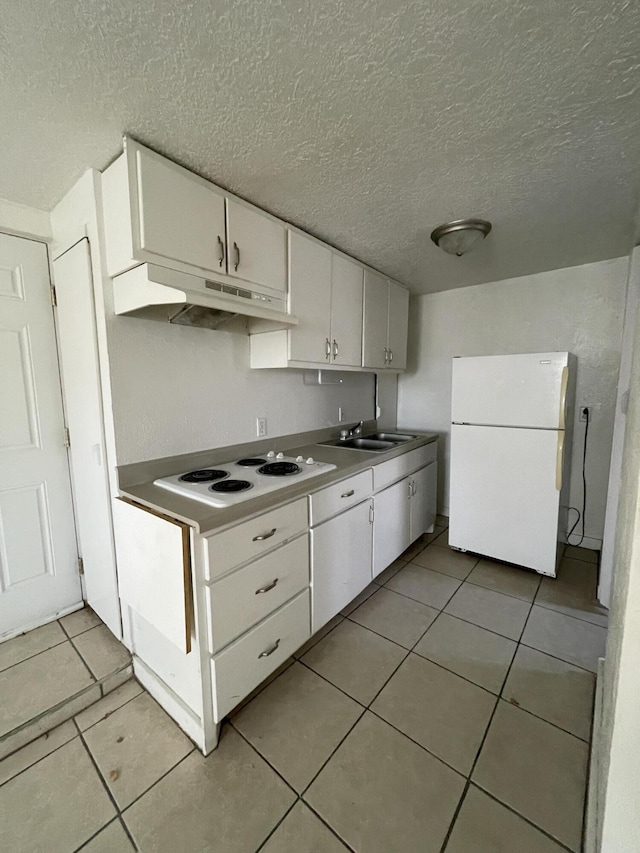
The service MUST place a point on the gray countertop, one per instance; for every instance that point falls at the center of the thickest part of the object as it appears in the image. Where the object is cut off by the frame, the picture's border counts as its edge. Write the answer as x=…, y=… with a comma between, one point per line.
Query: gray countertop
x=207, y=519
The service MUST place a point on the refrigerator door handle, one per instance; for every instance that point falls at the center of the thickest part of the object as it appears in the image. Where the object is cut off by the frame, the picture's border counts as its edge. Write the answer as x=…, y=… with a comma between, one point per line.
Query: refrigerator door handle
x=563, y=396
x=559, y=460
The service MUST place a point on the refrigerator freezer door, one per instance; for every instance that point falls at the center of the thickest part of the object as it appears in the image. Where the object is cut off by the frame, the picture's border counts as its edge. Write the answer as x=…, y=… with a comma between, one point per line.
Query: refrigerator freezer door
x=511, y=390
x=504, y=500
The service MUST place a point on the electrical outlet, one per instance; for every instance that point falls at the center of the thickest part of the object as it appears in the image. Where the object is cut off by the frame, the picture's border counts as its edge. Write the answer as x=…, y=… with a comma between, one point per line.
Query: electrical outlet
x=584, y=413
x=341, y=414
x=262, y=427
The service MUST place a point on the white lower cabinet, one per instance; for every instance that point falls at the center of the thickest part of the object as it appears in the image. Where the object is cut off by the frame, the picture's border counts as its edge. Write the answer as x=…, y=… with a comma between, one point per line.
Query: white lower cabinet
x=423, y=500
x=341, y=551
x=247, y=662
x=391, y=525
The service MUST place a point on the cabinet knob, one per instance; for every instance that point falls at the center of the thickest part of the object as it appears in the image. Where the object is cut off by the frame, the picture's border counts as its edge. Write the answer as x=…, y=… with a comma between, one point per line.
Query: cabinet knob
x=236, y=251
x=220, y=250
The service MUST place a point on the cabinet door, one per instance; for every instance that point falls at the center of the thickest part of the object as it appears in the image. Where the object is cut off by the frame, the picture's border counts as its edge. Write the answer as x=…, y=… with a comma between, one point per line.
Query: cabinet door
x=375, y=321
x=179, y=215
x=392, y=509
x=309, y=299
x=423, y=500
x=346, y=312
x=257, y=246
x=340, y=562
x=398, y=325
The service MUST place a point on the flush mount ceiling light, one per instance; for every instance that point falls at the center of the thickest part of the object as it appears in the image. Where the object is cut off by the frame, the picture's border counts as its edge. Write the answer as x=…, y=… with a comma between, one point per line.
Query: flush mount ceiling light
x=459, y=237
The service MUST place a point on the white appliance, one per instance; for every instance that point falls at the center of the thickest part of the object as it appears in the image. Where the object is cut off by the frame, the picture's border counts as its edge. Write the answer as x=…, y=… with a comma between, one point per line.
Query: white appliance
x=510, y=456
x=233, y=482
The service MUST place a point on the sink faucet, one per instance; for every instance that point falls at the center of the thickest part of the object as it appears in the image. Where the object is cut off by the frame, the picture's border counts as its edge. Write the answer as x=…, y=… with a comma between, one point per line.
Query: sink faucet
x=351, y=432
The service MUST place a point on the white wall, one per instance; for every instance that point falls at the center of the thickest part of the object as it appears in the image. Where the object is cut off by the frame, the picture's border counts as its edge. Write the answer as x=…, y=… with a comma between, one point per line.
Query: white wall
x=179, y=390
x=24, y=221
x=618, y=741
x=579, y=309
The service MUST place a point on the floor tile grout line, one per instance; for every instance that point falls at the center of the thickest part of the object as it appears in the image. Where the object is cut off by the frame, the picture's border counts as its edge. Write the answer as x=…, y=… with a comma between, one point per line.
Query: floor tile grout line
x=128, y=832
x=86, y=665
x=38, y=760
x=328, y=825
x=333, y=752
x=279, y=823
x=324, y=678
x=571, y=616
x=110, y=713
x=114, y=819
x=263, y=757
x=522, y=817
x=36, y=654
x=123, y=811
x=555, y=657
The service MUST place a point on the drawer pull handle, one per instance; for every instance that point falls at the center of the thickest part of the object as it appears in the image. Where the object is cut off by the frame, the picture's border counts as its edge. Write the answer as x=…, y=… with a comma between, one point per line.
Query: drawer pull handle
x=348, y=494
x=267, y=652
x=268, y=587
x=263, y=536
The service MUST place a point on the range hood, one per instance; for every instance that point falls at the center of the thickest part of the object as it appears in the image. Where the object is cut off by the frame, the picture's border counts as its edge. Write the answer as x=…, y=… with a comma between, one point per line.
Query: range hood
x=176, y=297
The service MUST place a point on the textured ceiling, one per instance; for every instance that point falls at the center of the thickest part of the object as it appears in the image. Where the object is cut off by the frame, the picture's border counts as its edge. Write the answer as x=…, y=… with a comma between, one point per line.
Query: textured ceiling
x=367, y=122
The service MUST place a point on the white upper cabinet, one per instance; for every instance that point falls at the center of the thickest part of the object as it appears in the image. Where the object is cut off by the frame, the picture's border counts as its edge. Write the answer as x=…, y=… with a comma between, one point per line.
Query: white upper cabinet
x=398, y=326
x=346, y=312
x=158, y=212
x=257, y=246
x=376, y=320
x=309, y=299
x=386, y=319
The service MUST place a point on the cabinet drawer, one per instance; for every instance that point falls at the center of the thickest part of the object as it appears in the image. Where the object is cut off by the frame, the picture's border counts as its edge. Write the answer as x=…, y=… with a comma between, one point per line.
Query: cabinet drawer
x=247, y=662
x=335, y=499
x=244, y=542
x=244, y=598
x=388, y=472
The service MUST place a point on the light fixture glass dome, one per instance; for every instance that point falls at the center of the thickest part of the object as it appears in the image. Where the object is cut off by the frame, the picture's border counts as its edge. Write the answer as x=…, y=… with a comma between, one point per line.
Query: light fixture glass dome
x=460, y=236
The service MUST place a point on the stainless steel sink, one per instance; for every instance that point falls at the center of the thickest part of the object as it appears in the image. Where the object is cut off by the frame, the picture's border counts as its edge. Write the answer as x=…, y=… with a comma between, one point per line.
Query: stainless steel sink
x=395, y=437
x=372, y=444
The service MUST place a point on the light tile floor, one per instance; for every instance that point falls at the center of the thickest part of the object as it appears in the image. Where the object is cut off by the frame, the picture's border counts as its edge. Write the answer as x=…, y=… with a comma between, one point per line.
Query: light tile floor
x=56, y=671
x=448, y=709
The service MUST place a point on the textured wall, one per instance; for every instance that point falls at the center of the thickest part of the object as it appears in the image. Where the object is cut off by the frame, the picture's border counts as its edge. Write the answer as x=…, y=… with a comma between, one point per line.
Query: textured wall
x=578, y=309
x=179, y=390
x=367, y=122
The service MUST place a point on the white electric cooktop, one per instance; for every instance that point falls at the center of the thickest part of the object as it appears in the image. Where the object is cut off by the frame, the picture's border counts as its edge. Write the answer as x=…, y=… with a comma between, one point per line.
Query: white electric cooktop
x=233, y=482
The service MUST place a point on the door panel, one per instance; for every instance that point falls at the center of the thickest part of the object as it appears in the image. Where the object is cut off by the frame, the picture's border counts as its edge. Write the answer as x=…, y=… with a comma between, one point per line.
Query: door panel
x=504, y=500
x=340, y=562
x=38, y=554
x=309, y=299
x=180, y=216
x=346, y=311
x=260, y=247
x=376, y=320
x=398, y=325
x=83, y=404
x=391, y=525
x=510, y=390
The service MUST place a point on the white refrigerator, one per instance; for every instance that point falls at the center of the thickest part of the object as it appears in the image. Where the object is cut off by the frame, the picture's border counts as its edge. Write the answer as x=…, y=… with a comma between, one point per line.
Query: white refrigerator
x=510, y=456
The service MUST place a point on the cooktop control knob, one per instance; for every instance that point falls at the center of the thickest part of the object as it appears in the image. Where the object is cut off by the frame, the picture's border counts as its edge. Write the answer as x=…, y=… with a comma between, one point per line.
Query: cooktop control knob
x=270, y=454
x=299, y=458
x=310, y=460
x=279, y=455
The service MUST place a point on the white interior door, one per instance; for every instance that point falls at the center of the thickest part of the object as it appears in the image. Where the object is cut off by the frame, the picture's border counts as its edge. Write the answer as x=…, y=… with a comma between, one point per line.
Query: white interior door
x=504, y=495
x=511, y=390
x=77, y=343
x=38, y=555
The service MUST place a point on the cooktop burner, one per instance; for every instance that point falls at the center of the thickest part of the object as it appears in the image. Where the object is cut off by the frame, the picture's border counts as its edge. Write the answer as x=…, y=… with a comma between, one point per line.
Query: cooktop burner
x=231, y=486
x=250, y=463
x=206, y=475
x=279, y=469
